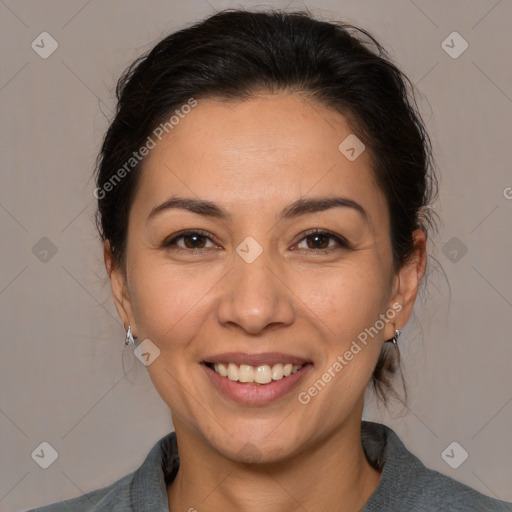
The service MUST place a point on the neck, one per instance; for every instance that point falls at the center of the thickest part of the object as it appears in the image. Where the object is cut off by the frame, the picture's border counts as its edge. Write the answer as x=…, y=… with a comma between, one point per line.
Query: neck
x=332, y=475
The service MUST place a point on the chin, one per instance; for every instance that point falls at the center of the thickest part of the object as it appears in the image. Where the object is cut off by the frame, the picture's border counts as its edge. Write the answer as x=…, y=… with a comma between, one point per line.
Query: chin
x=252, y=452
x=257, y=445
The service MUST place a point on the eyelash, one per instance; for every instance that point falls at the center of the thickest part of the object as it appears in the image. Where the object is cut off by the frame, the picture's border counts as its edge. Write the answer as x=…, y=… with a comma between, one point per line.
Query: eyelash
x=342, y=242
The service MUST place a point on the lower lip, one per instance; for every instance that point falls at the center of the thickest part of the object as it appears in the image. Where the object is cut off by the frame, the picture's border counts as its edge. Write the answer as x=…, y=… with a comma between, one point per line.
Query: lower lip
x=256, y=394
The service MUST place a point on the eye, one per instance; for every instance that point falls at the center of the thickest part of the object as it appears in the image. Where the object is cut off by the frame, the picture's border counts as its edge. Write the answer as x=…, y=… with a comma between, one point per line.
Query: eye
x=190, y=240
x=319, y=240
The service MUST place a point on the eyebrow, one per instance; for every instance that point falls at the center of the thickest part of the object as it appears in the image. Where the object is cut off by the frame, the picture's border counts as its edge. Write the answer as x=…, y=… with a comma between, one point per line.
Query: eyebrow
x=300, y=207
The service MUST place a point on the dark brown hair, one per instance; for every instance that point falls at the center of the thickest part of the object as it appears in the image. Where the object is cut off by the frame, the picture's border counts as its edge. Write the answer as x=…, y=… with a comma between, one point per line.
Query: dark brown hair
x=237, y=53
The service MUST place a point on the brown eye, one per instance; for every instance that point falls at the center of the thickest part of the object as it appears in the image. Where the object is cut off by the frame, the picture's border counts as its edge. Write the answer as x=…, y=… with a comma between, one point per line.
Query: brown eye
x=319, y=240
x=192, y=240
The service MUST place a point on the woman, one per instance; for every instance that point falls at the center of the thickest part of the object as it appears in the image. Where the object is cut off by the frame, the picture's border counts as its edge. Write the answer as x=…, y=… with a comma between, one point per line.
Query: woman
x=264, y=197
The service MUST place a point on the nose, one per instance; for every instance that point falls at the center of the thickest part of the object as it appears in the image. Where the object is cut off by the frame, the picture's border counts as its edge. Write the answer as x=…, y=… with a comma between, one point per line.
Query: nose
x=255, y=297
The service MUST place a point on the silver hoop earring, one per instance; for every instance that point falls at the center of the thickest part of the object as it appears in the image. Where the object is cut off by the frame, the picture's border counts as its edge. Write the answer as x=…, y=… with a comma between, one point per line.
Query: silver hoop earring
x=394, y=339
x=130, y=340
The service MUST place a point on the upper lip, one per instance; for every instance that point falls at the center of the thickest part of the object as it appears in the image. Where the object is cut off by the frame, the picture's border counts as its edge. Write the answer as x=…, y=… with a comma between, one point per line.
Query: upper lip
x=269, y=358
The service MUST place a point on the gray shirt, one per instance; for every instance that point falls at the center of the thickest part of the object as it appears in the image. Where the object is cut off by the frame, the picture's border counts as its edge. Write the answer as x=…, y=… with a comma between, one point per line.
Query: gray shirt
x=406, y=485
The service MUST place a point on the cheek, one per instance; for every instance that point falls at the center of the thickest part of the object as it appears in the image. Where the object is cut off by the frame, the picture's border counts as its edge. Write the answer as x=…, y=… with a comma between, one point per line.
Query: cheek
x=345, y=307
x=345, y=300
x=169, y=301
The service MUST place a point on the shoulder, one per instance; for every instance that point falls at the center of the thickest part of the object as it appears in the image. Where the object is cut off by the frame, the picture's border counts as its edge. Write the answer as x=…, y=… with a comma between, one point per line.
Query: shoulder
x=432, y=491
x=113, y=497
x=143, y=490
x=406, y=484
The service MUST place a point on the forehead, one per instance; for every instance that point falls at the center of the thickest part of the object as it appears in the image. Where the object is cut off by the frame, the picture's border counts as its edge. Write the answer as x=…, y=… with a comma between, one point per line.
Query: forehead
x=270, y=148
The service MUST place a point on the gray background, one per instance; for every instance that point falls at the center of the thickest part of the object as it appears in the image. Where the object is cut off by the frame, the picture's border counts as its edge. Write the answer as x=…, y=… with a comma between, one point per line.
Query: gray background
x=61, y=364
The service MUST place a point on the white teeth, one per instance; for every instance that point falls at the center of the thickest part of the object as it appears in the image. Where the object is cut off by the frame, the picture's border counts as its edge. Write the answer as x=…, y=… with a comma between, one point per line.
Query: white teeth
x=262, y=374
x=277, y=372
x=220, y=368
x=246, y=373
x=232, y=372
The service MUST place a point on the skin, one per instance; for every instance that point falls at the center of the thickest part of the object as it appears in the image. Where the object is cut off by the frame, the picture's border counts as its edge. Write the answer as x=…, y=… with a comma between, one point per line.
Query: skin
x=253, y=158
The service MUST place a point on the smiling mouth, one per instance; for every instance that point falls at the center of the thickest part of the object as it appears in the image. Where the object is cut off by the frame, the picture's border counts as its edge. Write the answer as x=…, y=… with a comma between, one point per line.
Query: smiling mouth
x=261, y=374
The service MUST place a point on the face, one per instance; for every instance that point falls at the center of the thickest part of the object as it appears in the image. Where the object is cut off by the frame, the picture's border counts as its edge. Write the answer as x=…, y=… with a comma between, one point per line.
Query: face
x=255, y=248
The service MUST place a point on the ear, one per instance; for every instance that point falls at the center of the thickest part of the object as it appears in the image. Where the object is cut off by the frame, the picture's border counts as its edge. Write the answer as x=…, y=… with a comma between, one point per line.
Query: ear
x=119, y=288
x=406, y=284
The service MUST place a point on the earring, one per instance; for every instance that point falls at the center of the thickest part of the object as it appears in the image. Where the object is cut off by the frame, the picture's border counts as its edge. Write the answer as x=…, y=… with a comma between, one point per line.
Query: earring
x=394, y=339
x=130, y=340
